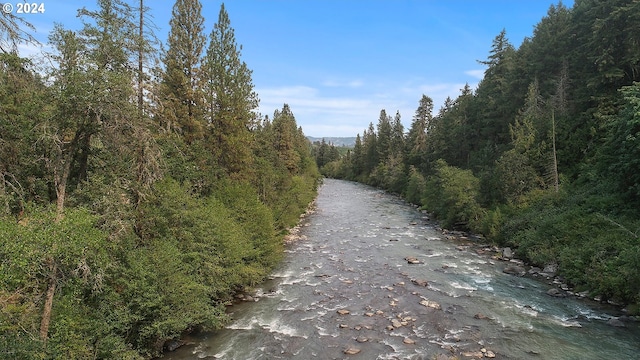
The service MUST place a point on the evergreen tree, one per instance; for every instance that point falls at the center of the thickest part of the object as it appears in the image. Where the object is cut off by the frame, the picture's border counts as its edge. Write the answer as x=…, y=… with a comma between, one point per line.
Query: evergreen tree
x=370, y=147
x=416, y=142
x=26, y=103
x=357, y=159
x=13, y=31
x=498, y=94
x=230, y=97
x=384, y=135
x=397, y=135
x=285, y=132
x=181, y=86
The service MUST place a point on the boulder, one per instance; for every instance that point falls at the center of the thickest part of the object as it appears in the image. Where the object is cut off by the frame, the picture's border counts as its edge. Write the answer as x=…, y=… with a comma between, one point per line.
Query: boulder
x=351, y=351
x=556, y=293
x=550, y=269
x=409, y=341
x=514, y=270
x=431, y=304
x=173, y=345
x=480, y=316
x=507, y=253
x=420, y=282
x=534, y=270
x=627, y=318
x=615, y=322
x=343, y=312
x=412, y=260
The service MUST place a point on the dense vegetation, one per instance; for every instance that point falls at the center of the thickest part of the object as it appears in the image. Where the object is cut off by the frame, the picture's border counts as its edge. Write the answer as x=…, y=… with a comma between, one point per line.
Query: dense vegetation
x=136, y=198
x=544, y=156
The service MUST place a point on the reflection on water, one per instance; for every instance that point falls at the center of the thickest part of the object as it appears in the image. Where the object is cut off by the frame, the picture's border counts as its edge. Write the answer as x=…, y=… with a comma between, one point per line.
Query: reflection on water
x=347, y=287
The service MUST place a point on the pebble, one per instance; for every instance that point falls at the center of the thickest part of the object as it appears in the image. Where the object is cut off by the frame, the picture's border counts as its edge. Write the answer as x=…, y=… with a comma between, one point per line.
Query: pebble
x=431, y=304
x=351, y=351
x=475, y=354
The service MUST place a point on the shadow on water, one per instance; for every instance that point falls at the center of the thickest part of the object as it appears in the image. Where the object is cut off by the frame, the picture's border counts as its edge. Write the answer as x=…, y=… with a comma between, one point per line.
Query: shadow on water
x=348, y=291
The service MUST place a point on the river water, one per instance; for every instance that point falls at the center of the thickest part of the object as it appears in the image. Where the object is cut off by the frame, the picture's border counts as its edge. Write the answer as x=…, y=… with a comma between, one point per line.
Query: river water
x=346, y=286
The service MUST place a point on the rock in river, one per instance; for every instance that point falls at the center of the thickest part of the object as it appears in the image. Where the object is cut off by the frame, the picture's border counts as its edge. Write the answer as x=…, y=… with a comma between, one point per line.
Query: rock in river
x=172, y=345
x=351, y=351
x=514, y=270
x=556, y=292
x=412, y=260
x=420, y=282
x=615, y=322
x=431, y=304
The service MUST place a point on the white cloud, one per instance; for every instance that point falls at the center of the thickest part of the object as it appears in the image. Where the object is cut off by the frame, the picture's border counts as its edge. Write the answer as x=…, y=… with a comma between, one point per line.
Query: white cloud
x=346, y=84
x=334, y=112
x=321, y=115
x=478, y=74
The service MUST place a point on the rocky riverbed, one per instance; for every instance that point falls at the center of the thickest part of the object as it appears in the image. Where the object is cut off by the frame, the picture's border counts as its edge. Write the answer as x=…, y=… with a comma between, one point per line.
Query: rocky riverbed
x=370, y=277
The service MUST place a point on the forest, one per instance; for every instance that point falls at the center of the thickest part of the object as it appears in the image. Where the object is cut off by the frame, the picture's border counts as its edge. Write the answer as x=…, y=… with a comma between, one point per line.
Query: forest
x=543, y=156
x=140, y=190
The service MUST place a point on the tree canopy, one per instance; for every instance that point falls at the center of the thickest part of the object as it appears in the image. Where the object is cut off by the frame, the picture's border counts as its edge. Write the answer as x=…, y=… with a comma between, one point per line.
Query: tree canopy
x=135, y=201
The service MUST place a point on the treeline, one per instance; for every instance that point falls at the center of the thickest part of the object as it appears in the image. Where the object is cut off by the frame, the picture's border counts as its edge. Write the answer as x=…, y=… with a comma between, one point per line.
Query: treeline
x=139, y=190
x=543, y=156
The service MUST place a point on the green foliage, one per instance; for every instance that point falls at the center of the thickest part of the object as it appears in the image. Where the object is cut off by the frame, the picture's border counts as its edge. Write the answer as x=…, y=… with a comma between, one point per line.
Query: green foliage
x=593, y=251
x=118, y=232
x=83, y=263
x=161, y=295
x=451, y=195
x=182, y=102
x=620, y=155
x=416, y=187
x=230, y=99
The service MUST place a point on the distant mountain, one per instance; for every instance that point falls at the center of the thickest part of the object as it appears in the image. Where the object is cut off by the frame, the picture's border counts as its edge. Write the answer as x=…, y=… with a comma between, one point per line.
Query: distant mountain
x=336, y=141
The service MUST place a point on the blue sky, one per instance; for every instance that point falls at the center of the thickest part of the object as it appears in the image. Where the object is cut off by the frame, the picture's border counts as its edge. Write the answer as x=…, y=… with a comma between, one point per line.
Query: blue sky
x=337, y=63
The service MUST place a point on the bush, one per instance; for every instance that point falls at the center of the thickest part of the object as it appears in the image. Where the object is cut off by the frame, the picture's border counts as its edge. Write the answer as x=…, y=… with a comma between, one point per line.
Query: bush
x=416, y=186
x=451, y=195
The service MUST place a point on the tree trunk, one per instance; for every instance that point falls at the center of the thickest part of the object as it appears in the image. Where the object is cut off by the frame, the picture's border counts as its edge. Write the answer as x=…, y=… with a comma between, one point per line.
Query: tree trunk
x=3, y=193
x=556, y=179
x=48, y=304
x=61, y=178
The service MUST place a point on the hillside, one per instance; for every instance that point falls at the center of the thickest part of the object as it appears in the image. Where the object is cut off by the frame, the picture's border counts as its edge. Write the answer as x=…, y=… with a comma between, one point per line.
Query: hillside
x=336, y=141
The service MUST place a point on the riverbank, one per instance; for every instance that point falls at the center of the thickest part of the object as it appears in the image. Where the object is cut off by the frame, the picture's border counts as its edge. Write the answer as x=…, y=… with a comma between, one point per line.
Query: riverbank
x=504, y=258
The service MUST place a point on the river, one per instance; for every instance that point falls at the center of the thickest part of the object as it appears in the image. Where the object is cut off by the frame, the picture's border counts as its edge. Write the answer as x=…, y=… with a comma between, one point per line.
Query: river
x=346, y=287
